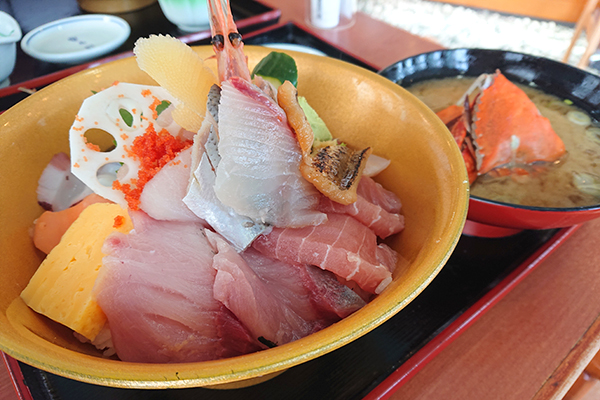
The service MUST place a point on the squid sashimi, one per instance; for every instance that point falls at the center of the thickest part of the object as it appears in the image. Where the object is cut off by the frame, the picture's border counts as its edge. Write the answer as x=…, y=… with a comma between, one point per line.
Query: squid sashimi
x=274, y=299
x=162, y=197
x=258, y=175
x=375, y=207
x=341, y=245
x=155, y=288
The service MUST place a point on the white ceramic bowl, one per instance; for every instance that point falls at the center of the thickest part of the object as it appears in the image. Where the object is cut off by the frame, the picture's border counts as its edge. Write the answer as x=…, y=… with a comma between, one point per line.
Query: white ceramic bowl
x=10, y=34
x=76, y=39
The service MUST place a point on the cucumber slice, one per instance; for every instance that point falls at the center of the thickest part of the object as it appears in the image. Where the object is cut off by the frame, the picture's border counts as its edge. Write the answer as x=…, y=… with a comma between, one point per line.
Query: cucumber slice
x=318, y=126
x=277, y=68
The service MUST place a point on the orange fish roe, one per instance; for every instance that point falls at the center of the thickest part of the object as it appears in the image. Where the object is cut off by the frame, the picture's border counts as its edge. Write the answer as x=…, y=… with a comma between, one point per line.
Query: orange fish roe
x=119, y=221
x=153, y=150
x=153, y=106
x=92, y=146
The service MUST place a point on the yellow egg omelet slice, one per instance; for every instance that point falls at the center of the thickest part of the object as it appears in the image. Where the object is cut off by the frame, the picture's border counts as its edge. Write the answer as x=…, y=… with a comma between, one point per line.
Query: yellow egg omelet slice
x=61, y=288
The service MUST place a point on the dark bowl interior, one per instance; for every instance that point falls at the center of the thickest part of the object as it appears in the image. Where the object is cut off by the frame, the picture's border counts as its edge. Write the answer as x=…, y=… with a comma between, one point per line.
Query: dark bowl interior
x=559, y=79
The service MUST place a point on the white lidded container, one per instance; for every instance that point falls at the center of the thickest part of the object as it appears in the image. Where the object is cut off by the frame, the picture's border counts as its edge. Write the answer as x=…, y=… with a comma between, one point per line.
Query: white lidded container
x=10, y=34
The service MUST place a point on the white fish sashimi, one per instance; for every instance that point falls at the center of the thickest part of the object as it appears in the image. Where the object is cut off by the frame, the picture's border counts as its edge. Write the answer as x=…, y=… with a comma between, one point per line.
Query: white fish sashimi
x=162, y=197
x=201, y=199
x=258, y=174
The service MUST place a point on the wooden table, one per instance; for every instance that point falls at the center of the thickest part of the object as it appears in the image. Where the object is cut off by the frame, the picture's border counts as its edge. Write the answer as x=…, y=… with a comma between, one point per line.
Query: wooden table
x=376, y=41
x=537, y=339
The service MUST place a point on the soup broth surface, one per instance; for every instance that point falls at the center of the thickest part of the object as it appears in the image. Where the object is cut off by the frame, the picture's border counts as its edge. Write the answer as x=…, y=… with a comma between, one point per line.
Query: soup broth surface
x=553, y=185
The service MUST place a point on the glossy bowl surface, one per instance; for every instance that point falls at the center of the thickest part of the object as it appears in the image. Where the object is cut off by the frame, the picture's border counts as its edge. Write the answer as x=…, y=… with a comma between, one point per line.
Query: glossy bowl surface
x=361, y=107
x=556, y=78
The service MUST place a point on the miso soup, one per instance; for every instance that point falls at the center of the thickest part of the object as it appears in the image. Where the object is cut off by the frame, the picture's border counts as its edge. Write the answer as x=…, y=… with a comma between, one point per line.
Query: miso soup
x=573, y=181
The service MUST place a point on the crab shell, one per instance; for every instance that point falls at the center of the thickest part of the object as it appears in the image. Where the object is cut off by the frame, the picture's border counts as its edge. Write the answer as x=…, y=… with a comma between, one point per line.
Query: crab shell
x=508, y=129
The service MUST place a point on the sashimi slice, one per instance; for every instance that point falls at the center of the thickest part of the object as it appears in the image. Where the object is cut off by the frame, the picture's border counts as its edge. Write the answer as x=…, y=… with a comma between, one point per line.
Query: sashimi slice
x=368, y=209
x=202, y=200
x=155, y=288
x=162, y=197
x=375, y=193
x=50, y=227
x=58, y=189
x=381, y=222
x=278, y=302
x=331, y=299
x=258, y=175
x=341, y=245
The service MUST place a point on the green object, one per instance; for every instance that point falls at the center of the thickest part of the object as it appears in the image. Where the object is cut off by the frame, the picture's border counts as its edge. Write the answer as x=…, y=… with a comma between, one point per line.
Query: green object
x=318, y=126
x=277, y=68
x=127, y=117
x=162, y=106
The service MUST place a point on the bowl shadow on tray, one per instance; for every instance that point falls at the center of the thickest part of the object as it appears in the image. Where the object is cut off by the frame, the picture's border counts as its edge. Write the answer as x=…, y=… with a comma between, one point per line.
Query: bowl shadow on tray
x=558, y=79
x=432, y=189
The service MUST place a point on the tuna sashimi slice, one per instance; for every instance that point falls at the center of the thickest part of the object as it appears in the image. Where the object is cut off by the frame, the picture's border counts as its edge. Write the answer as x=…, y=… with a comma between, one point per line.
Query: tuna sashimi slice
x=331, y=299
x=375, y=207
x=341, y=245
x=162, y=197
x=274, y=299
x=258, y=175
x=155, y=288
x=375, y=193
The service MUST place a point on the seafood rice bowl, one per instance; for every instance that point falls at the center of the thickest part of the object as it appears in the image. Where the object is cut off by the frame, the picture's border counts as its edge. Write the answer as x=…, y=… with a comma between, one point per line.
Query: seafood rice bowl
x=192, y=255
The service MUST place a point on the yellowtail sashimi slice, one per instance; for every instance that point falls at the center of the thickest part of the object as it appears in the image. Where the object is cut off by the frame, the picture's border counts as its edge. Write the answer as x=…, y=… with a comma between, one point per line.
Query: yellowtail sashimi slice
x=178, y=69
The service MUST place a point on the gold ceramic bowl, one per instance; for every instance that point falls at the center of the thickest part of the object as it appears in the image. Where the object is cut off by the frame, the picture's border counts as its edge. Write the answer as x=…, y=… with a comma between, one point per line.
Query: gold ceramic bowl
x=360, y=107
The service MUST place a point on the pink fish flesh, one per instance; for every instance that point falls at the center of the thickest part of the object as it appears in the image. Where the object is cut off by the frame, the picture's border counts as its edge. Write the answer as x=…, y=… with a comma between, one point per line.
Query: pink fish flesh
x=278, y=302
x=162, y=197
x=375, y=193
x=258, y=175
x=341, y=245
x=372, y=208
x=155, y=288
x=58, y=189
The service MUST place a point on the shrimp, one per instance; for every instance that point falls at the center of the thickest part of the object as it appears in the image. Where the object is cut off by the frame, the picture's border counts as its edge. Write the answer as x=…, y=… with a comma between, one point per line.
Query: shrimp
x=227, y=42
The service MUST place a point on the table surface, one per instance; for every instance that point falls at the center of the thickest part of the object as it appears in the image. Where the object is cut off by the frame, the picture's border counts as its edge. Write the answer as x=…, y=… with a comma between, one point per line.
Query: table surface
x=532, y=344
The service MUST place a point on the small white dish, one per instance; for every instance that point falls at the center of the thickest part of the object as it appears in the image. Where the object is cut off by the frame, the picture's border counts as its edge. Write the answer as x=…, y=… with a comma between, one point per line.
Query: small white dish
x=10, y=34
x=76, y=39
x=295, y=47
